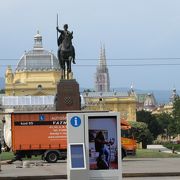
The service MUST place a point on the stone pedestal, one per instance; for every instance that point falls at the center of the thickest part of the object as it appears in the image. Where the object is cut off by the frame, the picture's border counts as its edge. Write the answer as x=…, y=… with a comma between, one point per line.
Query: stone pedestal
x=68, y=95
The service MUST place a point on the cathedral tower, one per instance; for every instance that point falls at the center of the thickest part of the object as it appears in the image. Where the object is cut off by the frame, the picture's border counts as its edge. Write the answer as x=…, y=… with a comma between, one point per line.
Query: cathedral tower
x=102, y=83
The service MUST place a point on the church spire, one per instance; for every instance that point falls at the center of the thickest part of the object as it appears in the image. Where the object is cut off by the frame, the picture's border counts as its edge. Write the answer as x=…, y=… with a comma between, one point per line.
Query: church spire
x=102, y=60
x=102, y=83
x=101, y=57
x=104, y=55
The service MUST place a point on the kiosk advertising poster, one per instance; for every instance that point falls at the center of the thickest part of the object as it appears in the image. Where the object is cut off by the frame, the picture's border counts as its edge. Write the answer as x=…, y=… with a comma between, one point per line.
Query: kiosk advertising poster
x=103, y=145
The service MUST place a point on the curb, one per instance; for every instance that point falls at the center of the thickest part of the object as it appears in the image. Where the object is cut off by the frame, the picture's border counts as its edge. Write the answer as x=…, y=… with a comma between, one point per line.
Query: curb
x=35, y=177
x=157, y=174
x=153, y=174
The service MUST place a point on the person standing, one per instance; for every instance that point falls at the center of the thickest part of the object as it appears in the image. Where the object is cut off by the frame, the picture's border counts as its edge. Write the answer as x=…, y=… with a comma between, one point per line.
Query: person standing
x=0, y=147
x=100, y=146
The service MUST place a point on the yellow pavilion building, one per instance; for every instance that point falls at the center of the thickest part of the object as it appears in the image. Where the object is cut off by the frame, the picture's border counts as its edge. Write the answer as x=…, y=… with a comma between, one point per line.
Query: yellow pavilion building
x=37, y=73
x=122, y=102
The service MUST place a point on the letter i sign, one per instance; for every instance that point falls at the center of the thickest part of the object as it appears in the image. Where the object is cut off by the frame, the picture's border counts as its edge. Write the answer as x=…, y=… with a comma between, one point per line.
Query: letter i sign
x=75, y=121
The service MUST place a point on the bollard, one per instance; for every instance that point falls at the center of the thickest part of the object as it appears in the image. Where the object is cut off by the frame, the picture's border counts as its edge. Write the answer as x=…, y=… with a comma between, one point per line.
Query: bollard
x=0, y=154
x=0, y=162
x=26, y=164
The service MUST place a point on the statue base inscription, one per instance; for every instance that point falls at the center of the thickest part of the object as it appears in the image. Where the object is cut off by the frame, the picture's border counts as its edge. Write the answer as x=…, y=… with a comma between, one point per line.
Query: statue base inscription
x=68, y=95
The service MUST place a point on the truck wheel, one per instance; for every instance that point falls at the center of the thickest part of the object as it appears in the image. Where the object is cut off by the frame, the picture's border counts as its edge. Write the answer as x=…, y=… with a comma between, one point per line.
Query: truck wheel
x=51, y=157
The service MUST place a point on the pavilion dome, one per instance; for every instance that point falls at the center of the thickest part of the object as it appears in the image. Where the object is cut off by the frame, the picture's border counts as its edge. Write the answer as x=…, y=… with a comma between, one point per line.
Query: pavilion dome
x=38, y=59
x=150, y=102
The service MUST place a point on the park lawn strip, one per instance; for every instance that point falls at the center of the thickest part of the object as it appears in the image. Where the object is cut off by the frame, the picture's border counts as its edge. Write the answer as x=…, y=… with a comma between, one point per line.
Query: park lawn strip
x=140, y=153
x=10, y=155
x=146, y=153
x=6, y=155
x=170, y=146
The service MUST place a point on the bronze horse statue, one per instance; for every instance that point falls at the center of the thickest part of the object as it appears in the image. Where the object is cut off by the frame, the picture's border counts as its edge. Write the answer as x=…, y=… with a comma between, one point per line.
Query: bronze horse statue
x=66, y=54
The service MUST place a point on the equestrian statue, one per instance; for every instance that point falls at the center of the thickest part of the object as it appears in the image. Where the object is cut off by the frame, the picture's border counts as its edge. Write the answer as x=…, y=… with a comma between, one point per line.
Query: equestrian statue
x=66, y=51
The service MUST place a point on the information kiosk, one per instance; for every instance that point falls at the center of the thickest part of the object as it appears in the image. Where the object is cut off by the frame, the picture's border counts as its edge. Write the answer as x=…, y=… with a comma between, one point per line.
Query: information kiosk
x=94, y=146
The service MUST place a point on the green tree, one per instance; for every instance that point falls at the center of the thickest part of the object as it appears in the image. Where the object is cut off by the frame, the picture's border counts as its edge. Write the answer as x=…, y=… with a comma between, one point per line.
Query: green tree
x=175, y=125
x=166, y=122
x=151, y=121
x=2, y=91
x=141, y=133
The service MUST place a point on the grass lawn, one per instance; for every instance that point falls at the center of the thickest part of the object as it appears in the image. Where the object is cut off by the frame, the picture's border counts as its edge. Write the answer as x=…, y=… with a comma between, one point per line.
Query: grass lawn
x=140, y=153
x=6, y=156
x=170, y=145
x=146, y=153
x=10, y=155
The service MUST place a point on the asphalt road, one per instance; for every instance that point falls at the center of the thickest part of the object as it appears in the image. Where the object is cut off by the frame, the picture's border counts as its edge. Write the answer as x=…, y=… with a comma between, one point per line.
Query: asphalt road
x=132, y=169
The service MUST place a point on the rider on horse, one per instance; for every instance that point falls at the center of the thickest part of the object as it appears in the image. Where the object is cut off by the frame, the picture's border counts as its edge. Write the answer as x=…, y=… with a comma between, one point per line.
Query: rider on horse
x=62, y=36
x=63, y=33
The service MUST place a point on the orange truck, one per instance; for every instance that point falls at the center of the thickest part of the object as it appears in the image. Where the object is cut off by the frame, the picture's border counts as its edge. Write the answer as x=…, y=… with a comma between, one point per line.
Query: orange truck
x=127, y=140
x=45, y=133
x=39, y=133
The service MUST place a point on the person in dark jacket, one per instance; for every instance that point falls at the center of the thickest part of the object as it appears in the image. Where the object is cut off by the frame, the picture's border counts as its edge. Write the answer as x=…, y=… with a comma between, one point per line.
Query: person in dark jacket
x=100, y=146
x=0, y=148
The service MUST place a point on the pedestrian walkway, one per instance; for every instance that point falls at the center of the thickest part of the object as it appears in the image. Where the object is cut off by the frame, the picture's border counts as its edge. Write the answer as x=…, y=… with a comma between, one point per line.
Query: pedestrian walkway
x=133, y=167
x=161, y=148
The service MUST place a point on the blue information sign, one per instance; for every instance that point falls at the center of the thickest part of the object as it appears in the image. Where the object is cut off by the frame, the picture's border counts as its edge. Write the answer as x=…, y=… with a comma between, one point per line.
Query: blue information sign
x=41, y=117
x=75, y=121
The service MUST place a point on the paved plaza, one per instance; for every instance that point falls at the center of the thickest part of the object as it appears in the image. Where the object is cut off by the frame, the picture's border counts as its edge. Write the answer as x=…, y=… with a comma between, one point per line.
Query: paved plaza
x=141, y=168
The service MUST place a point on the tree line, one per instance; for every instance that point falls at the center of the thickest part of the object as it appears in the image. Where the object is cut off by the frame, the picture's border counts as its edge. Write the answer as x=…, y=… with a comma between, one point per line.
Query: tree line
x=149, y=126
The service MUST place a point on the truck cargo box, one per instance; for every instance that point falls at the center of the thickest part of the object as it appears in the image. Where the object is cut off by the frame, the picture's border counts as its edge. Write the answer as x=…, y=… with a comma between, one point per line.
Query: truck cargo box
x=38, y=130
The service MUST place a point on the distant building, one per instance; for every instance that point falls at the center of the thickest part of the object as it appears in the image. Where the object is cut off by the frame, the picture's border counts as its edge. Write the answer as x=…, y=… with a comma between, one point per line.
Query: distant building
x=36, y=74
x=121, y=102
x=173, y=96
x=28, y=103
x=146, y=101
x=150, y=103
x=102, y=82
x=140, y=98
x=167, y=108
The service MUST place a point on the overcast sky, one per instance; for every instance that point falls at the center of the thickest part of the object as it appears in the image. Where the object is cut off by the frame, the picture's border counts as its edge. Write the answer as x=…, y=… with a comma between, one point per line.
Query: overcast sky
x=134, y=32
